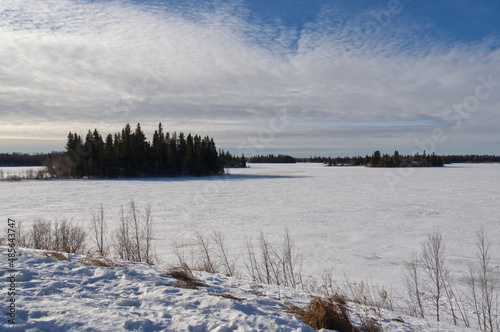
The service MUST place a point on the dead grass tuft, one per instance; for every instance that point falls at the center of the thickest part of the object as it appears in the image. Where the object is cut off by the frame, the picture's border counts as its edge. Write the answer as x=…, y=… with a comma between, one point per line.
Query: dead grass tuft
x=231, y=297
x=398, y=319
x=323, y=314
x=371, y=322
x=55, y=255
x=339, y=298
x=371, y=325
x=97, y=259
x=185, y=276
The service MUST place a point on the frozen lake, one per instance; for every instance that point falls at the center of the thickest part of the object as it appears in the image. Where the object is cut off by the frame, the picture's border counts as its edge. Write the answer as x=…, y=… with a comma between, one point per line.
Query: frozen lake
x=362, y=221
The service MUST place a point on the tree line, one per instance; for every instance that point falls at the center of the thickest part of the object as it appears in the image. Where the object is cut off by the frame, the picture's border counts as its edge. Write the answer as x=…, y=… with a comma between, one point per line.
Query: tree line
x=378, y=159
x=129, y=154
x=396, y=160
x=270, y=158
x=24, y=159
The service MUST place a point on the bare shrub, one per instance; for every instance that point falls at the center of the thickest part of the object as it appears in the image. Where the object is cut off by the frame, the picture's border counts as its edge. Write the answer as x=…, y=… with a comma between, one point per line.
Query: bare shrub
x=413, y=285
x=121, y=241
x=180, y=250
x=99, y=229
x=67, y=237
x=134, y=235
x=323, y=314
x=23, y=239
x=205, y=262
x=250, y=259
x=59, y=167
x=228, y=264
x=268, y=263
x=41, y=235
x=271, y=264
x=64, y=236
x=291, y=263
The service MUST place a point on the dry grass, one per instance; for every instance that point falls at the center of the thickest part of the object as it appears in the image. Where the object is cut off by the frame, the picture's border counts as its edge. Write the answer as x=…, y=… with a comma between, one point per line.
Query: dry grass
x=370, y=325
x=339, y=298
x=231, y=297
x=55, y=255
x=185, y=276
x=323, y=314
x=97, y=259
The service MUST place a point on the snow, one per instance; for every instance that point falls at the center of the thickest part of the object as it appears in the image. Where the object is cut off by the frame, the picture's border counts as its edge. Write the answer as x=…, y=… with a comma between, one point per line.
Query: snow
x=20, y=170
x=363, y=223
x=53, y=295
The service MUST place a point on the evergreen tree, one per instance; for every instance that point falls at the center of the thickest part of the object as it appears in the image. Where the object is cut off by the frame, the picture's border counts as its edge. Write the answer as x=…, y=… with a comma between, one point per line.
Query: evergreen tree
x=376, y=159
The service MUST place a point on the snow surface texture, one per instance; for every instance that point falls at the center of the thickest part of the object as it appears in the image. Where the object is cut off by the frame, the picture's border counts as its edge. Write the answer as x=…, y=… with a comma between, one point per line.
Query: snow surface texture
x=66, y=295
x=365, y=222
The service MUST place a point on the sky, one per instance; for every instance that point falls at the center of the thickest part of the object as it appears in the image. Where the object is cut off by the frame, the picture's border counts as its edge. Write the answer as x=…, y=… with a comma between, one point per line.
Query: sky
x=305, y=78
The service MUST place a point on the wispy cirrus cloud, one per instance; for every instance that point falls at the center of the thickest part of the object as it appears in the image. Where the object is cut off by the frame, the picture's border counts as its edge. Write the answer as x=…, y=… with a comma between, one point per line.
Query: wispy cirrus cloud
x=75, y=65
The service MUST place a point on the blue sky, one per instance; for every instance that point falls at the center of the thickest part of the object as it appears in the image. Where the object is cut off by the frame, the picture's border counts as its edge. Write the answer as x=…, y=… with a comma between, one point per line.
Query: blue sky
x=305, y=78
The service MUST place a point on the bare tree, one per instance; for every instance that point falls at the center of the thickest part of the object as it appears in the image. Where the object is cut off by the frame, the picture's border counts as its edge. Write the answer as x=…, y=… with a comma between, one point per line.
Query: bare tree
x=474, y=297
x=488, y=296
x=447, y=283
x=433, y=259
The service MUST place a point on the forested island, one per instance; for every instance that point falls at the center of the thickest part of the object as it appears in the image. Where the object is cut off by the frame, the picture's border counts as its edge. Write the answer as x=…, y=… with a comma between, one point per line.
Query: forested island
x=378, y=159
x=129, y=154
x=385, y=160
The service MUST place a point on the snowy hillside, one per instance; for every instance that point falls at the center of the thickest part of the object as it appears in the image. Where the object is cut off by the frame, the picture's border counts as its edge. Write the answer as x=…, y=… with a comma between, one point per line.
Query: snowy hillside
x=54, y=295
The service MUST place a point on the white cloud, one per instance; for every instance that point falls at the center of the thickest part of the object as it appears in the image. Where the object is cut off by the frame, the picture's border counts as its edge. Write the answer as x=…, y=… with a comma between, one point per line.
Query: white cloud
x=75, y=65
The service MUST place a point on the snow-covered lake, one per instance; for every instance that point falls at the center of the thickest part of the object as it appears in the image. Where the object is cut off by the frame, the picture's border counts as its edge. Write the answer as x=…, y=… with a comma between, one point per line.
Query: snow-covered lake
x=363, y=222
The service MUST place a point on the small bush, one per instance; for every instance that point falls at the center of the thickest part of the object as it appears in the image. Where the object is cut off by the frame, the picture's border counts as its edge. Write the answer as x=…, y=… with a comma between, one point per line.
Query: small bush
x=133, y=240
x=323, y=314
x=63, y=236
x=185, y=275
x=97, y=259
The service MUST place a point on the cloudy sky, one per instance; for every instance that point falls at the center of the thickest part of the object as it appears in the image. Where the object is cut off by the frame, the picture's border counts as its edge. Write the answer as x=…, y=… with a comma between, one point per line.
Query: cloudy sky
x=303, y=77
